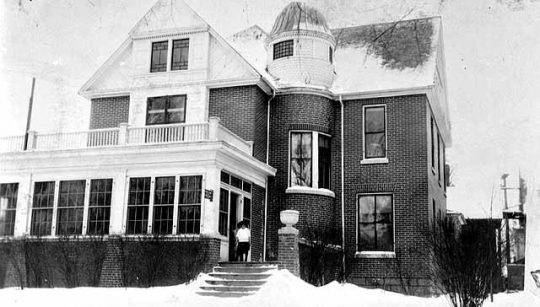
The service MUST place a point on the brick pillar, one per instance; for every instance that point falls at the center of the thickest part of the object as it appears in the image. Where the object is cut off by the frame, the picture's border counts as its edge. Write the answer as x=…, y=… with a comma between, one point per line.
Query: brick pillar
x=288, y=251
x=16, y=266
x=111, y=271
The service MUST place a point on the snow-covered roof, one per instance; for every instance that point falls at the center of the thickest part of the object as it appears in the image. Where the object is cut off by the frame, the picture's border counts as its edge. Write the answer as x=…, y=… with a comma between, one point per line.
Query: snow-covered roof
x=368, y=58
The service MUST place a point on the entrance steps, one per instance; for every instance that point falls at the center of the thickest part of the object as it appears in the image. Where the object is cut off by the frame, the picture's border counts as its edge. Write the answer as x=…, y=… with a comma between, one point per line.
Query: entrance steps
x=237, y=279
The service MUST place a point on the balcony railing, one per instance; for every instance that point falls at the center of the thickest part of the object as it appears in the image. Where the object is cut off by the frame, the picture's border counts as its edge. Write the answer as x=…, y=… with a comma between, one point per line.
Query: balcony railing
x=124, y=136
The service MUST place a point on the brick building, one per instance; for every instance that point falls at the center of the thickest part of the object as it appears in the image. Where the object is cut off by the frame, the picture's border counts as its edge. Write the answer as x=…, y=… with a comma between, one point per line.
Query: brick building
x=191, y=132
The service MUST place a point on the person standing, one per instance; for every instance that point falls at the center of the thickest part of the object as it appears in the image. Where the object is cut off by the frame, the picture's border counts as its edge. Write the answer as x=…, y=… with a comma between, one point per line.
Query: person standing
x=242, y=238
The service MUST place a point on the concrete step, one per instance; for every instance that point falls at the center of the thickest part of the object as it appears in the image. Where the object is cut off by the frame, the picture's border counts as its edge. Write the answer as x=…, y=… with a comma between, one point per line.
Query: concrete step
x=242, y=270
x=238, y=283
x=224, y=294
x=239, y=276
x=273, y=264
x=230, y=288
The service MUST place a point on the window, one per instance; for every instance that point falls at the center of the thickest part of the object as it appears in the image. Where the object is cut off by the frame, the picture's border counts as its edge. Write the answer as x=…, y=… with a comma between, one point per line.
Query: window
x=99, y=209
x=42, y=208
x=439, y=161
x=432, y=144
x=162, y=206
x=138, y=205
x=375, y=223
x=308, y=149
x=159, y=56
x=189, y=220
x=70, y=207
x=283, y=49
x=301, y=159
x=166, y=110
x=180, y=54
x=8, y=207
x=223, y=211
x=67, y=211
x=374, y=132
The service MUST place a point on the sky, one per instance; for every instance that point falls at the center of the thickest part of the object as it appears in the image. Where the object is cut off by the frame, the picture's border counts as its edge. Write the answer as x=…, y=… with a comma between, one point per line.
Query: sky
x=492, y=55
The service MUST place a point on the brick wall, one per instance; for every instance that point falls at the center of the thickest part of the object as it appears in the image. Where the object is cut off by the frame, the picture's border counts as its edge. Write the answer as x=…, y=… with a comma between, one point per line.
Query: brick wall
x=242, y=110
x=257, y=222
x=296, y=112
x=404, y=175
x=109, y=112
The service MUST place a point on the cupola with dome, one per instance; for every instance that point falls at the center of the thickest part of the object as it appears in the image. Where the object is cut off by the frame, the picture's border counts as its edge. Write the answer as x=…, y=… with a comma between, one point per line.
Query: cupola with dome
x=300, y=48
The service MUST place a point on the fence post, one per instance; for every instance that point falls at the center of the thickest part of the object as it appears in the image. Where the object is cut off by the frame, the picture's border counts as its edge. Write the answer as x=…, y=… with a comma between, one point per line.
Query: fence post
x=123, y=134
x=31, y=140
x=213, y=128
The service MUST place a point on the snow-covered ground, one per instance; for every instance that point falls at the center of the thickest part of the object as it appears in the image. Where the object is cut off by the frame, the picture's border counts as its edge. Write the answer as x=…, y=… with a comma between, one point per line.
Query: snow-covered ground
x=282, y=289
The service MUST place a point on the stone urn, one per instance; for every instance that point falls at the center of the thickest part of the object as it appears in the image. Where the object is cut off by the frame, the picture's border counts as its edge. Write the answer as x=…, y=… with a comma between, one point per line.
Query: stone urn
x=289, y=217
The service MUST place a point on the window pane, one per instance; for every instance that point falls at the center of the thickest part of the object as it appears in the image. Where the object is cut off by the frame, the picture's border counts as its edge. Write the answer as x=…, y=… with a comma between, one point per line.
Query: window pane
x=367, y=209
x=384, y=208
x=324, y=162
x=367, y=237
x=375, y=145
x=70, y=207
x=301, y=159
x=159, y=56
x=247, y=208
x=8, y=205
x=223, y=211
x=385, y=241
x=225, y=177
x=180, y=54
x=374, y=119
x=138, y=205
x=236, y=182
x=283, y=49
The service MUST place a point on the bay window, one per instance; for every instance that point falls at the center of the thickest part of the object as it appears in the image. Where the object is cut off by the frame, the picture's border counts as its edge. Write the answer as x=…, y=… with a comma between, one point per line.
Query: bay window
x=310, y=160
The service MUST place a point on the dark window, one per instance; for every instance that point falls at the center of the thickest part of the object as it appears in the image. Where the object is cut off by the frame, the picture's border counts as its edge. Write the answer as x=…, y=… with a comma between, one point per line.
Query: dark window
x=42, y=209
x=223, y=211
x=375, y=132
x=301, y=159
x=166, y=110
x=236, y=182
x=439, y=157
x=247, y=210
x=138, y=204
x=247, y=187
x=70, y=207
x=8, y=207
x=283, y=49
x=375, y=223
x=434, y=210
x=163, y=205
x=432, y=144
x=180, y=54
x=225, y=178
x=189, y=210
x=159, y=56
x=330, y=55
x=99, y=208
x=324, y=162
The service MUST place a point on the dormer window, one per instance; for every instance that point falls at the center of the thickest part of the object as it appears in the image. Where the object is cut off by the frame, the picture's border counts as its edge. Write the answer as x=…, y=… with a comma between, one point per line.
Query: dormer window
x=178, y=58
x=283, y=49
x=159, y=56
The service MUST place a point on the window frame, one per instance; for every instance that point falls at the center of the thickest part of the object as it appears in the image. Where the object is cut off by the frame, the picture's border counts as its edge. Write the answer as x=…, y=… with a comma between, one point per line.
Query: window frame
x=314, y=188
x=169, y=55
x=180, y=40
x=281, y=49
x=166, y=64
x=55, y=206
x=168, y=99
x=8, y=229
x=176, y=209
x=374, y=160
x=375, y=254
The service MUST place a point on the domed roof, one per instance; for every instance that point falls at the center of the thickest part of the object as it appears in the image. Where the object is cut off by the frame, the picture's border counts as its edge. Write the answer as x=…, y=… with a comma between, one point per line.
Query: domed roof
x=300, y=16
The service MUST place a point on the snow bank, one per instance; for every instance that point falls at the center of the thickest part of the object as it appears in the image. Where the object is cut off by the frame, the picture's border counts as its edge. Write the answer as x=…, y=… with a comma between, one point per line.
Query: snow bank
x=282, y=289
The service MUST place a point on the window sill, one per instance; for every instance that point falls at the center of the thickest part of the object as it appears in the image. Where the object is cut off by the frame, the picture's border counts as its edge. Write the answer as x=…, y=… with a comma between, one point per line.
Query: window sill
x=375, y=255
x=375, y=161
x=308, y=190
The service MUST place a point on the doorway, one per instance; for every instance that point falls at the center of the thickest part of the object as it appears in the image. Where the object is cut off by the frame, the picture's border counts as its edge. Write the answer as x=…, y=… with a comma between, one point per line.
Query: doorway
x=235, y=204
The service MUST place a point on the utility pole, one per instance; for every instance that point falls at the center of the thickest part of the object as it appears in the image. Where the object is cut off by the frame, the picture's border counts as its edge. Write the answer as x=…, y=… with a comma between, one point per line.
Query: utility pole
x=503, y=187
x=29, y=118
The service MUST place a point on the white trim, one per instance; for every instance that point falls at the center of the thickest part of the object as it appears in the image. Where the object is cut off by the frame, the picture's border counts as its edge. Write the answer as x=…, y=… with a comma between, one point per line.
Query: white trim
x=377, y=159
x=309, y=190
x=358, y=195
x=306, y=90
x=385, y=93
x=168, y=33
x=374, y=161
x=375, y=255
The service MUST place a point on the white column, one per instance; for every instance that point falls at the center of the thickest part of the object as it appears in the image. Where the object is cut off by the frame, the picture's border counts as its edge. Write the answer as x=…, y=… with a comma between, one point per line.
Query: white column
x=24, y=201
x=213, y=128
x=123, y=134
x=118, y=203
x=210, y=209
